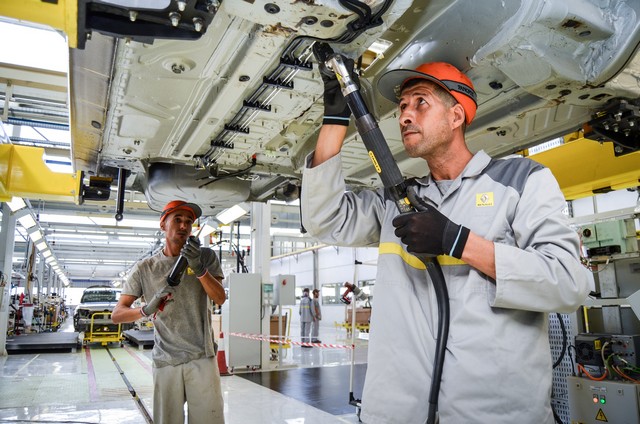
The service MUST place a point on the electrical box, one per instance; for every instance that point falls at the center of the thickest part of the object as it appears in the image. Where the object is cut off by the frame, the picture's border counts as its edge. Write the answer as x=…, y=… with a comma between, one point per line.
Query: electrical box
x=626, y=347
x=589, y=348
x=284, y=289
x=241, y=313
x=597, y=402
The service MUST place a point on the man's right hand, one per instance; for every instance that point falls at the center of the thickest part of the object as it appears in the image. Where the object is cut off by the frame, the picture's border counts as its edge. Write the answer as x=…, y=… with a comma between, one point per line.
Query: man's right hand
x=336, y=110
x=158, y=300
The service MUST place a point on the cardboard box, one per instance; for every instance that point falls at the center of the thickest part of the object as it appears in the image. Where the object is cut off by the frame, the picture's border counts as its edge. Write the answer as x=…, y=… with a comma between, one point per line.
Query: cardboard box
x=363, y=315
x=274, y=325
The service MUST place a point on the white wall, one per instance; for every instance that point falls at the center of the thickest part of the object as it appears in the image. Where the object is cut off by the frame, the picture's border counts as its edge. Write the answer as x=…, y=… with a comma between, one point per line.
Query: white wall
x=615, y=200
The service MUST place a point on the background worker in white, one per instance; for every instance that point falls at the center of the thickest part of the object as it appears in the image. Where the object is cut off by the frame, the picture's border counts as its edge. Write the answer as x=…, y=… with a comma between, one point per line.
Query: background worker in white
x=305, y=316
x=507, y=255
x=184, y=362
x=316, y=313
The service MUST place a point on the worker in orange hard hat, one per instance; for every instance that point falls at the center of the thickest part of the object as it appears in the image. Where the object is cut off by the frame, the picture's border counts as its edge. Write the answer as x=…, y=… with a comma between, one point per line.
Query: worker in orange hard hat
x=185, y=367
x=497, y=229
x=444, y=75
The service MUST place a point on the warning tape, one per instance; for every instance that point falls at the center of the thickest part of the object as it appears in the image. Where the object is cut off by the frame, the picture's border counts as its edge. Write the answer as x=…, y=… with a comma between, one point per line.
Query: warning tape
x=264, y=338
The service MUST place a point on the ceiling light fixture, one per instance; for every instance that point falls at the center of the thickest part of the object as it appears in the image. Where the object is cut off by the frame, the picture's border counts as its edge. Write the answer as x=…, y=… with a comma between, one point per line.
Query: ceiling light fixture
x=206, y=228
x=231, y=214
x=35, y=236
x=27, y=221
x=16, y=203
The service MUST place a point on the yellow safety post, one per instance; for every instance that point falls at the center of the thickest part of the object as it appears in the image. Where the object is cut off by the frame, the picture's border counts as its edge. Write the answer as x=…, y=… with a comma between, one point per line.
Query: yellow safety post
x=23, y=173
x=61, y=14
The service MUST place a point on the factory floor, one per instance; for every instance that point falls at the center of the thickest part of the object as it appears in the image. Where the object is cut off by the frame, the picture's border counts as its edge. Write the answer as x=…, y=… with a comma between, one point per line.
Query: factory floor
x=305, y=385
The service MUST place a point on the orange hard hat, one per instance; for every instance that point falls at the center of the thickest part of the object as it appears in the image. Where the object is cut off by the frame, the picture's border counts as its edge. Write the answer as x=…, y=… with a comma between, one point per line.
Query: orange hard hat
x=443, y=74
x=179, y=205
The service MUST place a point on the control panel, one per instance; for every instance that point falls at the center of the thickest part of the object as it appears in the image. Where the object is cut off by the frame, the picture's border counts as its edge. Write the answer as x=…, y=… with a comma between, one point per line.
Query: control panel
x=267, y=294
x=597, y=402
x=610, y=237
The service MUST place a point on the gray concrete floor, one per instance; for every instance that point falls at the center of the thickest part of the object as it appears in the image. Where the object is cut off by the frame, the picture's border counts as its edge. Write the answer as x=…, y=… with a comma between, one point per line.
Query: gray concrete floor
x=85, y=386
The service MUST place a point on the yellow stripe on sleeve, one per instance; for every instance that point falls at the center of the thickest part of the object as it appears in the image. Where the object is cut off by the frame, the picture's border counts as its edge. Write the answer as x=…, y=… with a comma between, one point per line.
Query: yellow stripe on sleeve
x=412, y=260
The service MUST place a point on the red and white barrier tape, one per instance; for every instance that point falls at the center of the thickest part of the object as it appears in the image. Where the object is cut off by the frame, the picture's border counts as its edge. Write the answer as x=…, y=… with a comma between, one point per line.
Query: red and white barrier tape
x=264, y=338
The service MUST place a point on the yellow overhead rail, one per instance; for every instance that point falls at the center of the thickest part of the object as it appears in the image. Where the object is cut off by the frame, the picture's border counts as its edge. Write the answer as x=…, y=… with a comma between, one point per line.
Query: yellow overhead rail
x=23, y=173
x=585, y=167
x=61, y=14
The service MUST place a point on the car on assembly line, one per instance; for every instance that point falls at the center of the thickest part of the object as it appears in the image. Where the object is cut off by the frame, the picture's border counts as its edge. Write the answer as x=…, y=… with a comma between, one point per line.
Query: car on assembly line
x=94, y=299
x=220, y=101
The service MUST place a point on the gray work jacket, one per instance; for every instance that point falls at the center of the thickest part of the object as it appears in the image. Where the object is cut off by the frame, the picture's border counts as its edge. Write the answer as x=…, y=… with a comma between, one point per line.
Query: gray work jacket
x=498, y=364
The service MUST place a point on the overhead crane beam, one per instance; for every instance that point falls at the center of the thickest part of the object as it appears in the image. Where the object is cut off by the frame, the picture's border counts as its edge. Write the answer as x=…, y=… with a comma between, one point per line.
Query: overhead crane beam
x=23, y=173
x=79, y=18
x=585, y=167
x=61, y=14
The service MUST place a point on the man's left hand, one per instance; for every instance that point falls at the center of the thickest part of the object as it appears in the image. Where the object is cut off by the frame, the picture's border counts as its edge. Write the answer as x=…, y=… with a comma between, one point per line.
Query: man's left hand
x=431, y=233
x=191, y=251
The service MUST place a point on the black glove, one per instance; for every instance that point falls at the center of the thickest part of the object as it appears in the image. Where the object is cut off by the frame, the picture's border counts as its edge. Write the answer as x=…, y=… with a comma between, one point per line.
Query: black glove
x=158, y=301
x=430, y=232
x=191, y=251
x=336, y=110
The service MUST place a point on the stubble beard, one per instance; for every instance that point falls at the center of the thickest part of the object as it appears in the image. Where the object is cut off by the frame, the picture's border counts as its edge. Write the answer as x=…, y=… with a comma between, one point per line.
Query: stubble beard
x=426, y=147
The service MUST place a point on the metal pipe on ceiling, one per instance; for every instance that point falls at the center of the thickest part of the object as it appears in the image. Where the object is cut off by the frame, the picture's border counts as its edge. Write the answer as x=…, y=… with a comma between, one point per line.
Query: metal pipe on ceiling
x=37, y=124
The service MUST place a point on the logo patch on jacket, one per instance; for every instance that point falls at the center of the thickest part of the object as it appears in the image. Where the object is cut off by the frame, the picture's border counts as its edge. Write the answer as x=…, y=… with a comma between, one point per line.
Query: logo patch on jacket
x=484, y=199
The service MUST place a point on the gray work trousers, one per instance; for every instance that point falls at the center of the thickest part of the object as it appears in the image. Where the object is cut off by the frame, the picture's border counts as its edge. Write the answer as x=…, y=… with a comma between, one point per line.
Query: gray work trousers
x=315, y=329
x=305, y=329
x=197, y=383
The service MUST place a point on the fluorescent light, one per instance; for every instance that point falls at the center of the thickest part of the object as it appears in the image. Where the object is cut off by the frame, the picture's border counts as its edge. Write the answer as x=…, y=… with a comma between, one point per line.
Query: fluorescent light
x=65, y=219
x=231, y=214
x=207, y=229
x=49, y=260
x=285, y=203
x=46, y=253
x=16, y=204
x=275, y=231
x=131, y=243
x=133, y=223
x=41, y=246
x=79, y=237
x=93, y=261
x=103, y=221
x=35, y=236
x=27, y=221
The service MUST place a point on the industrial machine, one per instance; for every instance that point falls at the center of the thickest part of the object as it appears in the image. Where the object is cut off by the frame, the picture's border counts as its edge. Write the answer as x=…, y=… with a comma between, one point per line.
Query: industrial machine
x=604, y=385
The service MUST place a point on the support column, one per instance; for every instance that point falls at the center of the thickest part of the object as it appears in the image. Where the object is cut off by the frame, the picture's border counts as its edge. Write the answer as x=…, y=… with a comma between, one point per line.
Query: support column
x=40, y=277
x=260, y=263
x=50, y=274
x=316, y=269
x=7, y=244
